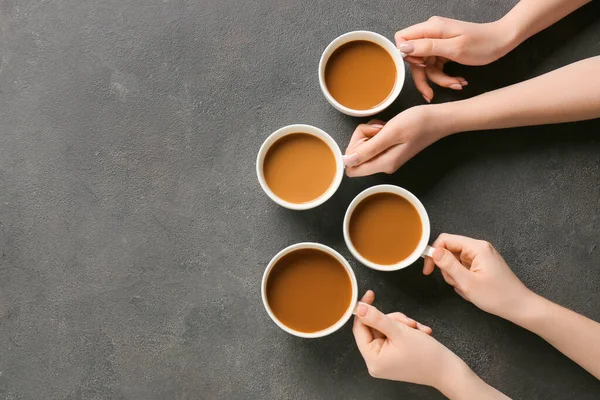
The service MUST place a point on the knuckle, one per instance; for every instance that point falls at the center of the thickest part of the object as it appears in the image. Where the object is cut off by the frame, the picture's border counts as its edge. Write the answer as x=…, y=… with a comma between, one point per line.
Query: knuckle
x=374, y=371
x=436, y=19
x=390, y=169
x=486, y=246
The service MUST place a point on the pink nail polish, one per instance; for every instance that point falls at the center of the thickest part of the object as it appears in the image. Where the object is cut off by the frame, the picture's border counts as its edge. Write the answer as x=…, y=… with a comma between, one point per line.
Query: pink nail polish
x=376, y=126
x=411, y=321
x=464, y=83
x=422, y=65
x=456, y=86
x=351, y=160
x=420, y=325
x=406, y=48
x=427, y=99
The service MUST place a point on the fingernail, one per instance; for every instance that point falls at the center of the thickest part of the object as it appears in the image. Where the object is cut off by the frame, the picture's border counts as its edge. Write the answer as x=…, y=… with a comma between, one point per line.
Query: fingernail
x=376, y=126
x=437, y=255
x=361, y=141
x=422, y=65
x=406, y=48
x=362, y=309
x=427, y=99
x=411, y=321
x=351, y=160
x=464, y=83
x=420, y=325
x=403, y=55
x=456, y=86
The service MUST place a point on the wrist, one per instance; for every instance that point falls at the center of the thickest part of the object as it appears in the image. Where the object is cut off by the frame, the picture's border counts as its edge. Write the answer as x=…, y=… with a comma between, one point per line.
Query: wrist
x=447, y=118
x=513, y=30
x=531, y=307
x=507, y=37
x=460, y=382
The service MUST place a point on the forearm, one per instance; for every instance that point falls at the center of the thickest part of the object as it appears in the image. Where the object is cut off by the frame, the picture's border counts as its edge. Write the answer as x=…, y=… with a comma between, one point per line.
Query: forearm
x=461, y=383
x=529, y=17
x=571, y=93
x=572, y=334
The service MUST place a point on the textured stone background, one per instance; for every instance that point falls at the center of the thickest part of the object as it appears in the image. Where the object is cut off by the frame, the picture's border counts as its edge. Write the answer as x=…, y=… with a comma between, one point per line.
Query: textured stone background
x=133, y=232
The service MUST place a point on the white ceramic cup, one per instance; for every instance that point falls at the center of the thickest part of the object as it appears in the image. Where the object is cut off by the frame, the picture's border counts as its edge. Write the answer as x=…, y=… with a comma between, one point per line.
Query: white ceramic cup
x=299, y=128
x=422, y=249
x=371, y=37
x=337, y=256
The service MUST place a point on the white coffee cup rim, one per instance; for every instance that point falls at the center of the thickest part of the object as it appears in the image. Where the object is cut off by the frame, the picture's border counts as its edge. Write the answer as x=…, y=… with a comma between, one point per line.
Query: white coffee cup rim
x=371, y=37
x=300, y=128
x=422, y=248
x=337, y=256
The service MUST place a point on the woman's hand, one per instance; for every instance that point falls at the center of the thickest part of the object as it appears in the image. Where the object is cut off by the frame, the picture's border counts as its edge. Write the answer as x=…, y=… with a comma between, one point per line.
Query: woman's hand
x=384, y=147
x=395, y=350
x=479, y=274
x=429, y=45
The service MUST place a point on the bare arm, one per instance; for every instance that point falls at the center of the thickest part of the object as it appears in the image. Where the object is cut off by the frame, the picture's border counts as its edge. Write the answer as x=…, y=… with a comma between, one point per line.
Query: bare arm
x=571, y=93
x=487, y=281
x=430, y=44
x=529, y=17
x=572, y=334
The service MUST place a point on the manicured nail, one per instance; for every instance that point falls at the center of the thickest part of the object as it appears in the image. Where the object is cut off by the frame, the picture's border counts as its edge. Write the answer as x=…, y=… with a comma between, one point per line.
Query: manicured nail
x=362, y=309
x=421, y=326
x=456, y=86
x=403, y=55
x=421, y=65
x=406, y=48
x=427, y=99
x=411, y=321
x=351, y=160
x=464, y=83
x=376, y=126
x=437, y=255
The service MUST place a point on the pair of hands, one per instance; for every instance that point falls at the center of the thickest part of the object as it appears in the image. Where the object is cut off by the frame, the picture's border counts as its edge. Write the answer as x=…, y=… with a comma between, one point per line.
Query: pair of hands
x=396, y=347
x=428, y=46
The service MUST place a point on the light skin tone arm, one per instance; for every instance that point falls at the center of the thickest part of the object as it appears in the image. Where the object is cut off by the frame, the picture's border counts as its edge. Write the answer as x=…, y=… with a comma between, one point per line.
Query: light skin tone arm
x=429, y=45
x=480, y=275
x=384, y=147
x=396, y=347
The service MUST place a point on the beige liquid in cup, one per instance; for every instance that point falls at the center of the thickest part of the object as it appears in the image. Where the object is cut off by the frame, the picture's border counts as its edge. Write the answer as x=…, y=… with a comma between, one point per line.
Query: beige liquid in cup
x=309, y=290
x=360, y=75
x=385, y=228
x=299, y=167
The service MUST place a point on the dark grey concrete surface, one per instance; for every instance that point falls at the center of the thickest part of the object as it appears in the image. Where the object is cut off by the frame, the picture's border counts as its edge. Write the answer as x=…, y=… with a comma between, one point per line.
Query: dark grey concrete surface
x=133, y=232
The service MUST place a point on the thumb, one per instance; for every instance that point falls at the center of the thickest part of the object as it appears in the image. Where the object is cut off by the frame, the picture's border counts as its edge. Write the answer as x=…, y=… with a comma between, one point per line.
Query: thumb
x=446, y=261
x=370, y=148
x=375, y=319
x=430, y=47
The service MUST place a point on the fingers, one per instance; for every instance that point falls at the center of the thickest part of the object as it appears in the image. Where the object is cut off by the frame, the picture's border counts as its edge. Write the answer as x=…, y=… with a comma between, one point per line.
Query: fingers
x=448, y=263
x=437, y=76
x=430, y=47
x=428, y=266
x=367, y=149
x=373, y=318
x=465, y=246
x=402, y=318
x=420, y=78
x=387, y=162
x=363, y=335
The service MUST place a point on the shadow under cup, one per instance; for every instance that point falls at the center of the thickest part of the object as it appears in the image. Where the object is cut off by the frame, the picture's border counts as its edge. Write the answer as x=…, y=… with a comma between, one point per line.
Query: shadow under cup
x=387, y=228
x=309, y=290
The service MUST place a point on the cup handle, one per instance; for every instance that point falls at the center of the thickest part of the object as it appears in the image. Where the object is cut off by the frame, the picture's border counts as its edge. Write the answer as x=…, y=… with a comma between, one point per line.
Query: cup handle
x=428, y=252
